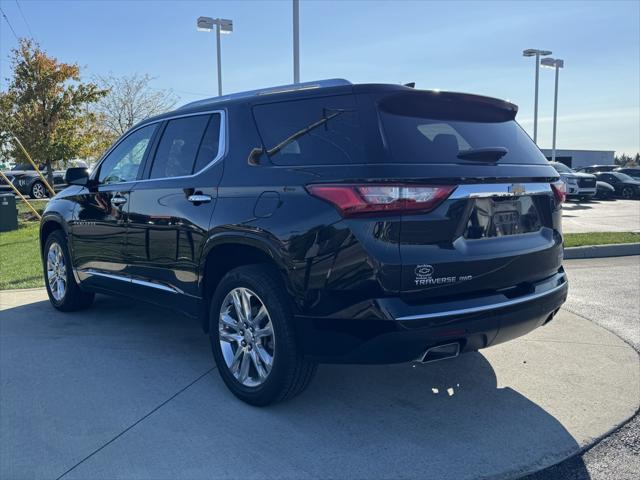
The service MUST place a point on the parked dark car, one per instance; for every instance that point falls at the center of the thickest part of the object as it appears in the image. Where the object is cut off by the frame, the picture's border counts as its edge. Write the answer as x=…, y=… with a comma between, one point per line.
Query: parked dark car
x=633, y=172
x=321, y=222
x=28, y=182
x=579, y=186
x=624, y=185
x=597, y=168
x=604, y=191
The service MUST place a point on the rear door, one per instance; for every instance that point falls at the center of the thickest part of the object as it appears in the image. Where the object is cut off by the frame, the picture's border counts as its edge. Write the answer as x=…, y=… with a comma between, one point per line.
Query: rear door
x=500, y=227
x=171, y=207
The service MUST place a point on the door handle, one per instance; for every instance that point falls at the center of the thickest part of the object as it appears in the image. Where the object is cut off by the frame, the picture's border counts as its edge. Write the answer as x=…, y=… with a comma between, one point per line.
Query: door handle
x=199, y=198
x=118, y=201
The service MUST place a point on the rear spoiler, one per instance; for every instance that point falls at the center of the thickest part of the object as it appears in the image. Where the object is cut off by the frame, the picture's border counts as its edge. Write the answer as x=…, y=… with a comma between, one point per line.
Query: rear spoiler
x=446, y=106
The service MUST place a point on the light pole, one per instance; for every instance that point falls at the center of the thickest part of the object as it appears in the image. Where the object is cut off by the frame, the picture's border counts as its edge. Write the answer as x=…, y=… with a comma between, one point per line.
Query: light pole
x=222, y=25
x=533, y=52
x=557, y=64
x=296, y=41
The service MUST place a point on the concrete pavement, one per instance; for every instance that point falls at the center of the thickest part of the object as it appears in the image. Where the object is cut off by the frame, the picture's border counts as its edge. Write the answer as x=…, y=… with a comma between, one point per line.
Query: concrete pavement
x=128, y=391
x=605, y=291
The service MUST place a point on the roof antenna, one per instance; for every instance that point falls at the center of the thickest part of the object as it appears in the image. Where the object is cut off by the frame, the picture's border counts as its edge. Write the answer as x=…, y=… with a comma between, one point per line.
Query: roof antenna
x=410, y=84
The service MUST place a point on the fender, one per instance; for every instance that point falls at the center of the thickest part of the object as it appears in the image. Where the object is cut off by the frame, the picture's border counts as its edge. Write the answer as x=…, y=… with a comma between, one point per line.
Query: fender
x=52, y=217
x=264, y=242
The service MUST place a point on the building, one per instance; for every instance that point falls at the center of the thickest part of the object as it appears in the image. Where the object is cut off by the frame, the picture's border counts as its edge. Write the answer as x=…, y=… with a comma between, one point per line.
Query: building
x=581, y=158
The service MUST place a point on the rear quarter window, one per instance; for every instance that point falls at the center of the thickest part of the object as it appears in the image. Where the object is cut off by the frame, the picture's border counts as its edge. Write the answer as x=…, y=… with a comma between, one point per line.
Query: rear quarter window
x=315, y=131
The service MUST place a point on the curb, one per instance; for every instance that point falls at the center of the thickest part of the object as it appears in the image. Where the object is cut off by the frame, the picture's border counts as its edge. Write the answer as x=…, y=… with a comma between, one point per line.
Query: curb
x=601, y=251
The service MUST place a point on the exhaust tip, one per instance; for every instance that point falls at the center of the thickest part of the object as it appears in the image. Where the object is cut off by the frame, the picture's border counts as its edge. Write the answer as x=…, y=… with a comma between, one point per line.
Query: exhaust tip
x=441, y=352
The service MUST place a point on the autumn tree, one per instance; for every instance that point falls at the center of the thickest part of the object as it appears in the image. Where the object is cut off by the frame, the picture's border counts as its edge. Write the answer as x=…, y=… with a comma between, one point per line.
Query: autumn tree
x=45, y=107
x=130, y=100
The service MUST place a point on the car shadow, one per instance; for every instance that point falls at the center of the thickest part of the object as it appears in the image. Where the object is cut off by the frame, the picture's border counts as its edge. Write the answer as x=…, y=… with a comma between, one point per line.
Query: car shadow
x=72, y=382
x=569, y=206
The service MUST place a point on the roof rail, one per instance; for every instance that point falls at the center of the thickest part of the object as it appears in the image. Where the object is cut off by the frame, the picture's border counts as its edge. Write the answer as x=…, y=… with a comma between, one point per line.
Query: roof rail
x=293, y=87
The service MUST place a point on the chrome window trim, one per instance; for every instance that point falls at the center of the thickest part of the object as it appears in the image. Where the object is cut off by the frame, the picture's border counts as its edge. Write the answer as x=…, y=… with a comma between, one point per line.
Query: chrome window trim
x=484, y=308
x=222, y=145
x=482, y=190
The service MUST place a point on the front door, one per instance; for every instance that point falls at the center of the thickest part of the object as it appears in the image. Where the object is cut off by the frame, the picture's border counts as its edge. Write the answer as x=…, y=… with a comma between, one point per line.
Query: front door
x=99, y=229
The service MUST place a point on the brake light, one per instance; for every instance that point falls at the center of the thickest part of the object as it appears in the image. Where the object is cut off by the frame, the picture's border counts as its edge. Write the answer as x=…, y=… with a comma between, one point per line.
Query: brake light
x=559, y=190
x=355, y=200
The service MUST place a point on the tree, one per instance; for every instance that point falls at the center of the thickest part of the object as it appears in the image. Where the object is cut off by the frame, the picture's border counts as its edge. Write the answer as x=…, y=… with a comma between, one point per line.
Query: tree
x=45, y=107
x=625, y=160
x=131, y=100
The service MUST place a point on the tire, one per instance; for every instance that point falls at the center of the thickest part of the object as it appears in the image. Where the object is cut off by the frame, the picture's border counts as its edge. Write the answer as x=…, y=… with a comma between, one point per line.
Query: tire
x=627, y=193
x=64, y=293
x=289, y=372
x=38, y=190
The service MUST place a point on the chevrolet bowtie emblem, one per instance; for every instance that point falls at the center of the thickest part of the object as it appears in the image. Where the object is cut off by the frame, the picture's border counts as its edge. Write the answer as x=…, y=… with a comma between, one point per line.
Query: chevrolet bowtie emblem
x=517, y=189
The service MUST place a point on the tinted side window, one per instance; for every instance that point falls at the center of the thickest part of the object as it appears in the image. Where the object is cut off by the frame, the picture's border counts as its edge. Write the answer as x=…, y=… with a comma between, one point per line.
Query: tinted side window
x=178, y=147
x=317, y=131
x=123, y=163
x=210, y=144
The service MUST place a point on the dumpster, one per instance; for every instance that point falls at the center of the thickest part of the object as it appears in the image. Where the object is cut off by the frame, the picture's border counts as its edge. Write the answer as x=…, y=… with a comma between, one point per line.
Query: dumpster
x=8, y=212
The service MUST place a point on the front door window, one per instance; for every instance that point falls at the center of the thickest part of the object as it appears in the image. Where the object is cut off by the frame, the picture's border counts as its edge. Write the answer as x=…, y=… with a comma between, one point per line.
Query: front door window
x=123, y=163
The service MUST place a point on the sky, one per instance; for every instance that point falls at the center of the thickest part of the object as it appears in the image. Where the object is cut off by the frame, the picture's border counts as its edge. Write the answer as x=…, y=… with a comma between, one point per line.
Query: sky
x=470, y=46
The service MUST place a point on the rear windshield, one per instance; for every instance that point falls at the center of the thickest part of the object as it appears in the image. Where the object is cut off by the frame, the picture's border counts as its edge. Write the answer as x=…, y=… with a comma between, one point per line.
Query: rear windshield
x=315, y=131
x=425, y=140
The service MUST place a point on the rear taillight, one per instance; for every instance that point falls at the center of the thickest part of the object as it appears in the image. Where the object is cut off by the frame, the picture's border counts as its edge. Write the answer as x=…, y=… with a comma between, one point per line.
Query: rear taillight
x=365, y=199
x=559, y=190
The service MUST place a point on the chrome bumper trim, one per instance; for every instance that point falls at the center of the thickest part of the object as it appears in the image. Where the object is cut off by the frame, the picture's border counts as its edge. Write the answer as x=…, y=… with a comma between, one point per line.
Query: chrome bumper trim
x=484, y=308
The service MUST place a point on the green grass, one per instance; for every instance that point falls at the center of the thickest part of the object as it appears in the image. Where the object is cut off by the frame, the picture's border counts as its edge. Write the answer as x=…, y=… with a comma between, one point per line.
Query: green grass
x=599, y=238
x=25, y=214
x=20, y=265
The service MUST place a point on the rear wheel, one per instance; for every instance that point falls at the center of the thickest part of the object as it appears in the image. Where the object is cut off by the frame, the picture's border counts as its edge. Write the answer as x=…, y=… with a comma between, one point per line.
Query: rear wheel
x=64, y=293
x=252, y=337
x=38, y=190
x=627, y=192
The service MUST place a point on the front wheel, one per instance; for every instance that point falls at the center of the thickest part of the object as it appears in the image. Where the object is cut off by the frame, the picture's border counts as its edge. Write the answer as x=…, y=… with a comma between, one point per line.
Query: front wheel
x=64, y=293
x=252, y=337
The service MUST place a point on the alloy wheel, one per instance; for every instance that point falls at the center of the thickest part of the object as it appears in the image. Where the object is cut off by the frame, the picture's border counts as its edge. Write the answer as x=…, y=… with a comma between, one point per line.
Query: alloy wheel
x=56, y=272
x=627, y=192
x=38, y=190
x=246, y=337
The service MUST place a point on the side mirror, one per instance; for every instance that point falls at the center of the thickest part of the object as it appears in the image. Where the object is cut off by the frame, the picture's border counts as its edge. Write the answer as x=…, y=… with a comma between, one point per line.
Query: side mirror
x=77, y=176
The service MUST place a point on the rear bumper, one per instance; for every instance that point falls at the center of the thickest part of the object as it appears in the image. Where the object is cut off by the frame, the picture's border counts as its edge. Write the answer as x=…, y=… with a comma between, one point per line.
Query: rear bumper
x=402, y=332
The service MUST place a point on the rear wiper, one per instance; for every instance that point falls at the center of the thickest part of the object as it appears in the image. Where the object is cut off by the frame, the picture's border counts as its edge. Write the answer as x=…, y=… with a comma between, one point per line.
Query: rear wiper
x=483, y=154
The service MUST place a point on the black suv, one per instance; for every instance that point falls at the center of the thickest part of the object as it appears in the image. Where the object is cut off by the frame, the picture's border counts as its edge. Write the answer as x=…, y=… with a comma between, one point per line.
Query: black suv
x=321, y=222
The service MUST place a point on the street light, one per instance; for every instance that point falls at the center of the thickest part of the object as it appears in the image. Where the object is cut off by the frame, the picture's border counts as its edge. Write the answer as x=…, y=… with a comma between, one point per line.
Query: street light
x=557, y=64
x=532, y=52
x=296, y=41
x=222, y=25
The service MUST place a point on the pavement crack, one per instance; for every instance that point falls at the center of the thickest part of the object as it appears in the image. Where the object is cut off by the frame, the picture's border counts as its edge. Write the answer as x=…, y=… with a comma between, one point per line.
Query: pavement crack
x=544, y=340
x=136, y=422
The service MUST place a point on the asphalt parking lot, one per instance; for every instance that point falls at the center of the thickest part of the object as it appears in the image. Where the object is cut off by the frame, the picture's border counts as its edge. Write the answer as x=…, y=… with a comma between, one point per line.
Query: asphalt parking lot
x=601, y=216
x=125, y=390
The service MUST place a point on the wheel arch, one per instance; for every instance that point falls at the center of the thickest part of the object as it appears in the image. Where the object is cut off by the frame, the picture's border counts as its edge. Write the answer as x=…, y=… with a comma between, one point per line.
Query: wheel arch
x=49, y=224
x=224, y=252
